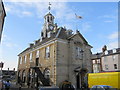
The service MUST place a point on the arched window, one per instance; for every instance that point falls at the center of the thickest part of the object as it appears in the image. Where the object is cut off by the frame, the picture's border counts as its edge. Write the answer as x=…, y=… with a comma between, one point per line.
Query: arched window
x=47, y=73
x=51, y=18
x=19, y=79
x=23, y=76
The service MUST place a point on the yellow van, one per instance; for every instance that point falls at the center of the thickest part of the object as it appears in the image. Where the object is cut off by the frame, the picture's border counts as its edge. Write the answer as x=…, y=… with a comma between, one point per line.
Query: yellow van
x=106, y=78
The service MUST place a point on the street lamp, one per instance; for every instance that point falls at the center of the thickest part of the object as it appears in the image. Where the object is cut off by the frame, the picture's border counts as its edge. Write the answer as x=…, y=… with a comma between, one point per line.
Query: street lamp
x=81, y=51
x=78, y=71
x=83, y=70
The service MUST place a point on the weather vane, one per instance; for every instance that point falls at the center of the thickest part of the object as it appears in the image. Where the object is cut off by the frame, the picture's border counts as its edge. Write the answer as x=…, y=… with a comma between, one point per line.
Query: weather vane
x=49, y=8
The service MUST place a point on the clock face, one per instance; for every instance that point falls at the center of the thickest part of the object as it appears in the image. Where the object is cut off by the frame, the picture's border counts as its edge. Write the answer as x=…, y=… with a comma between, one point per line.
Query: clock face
x=51, y=27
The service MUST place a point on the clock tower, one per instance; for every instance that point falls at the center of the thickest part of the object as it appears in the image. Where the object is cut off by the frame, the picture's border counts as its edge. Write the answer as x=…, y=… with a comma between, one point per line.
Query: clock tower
x=48, y=24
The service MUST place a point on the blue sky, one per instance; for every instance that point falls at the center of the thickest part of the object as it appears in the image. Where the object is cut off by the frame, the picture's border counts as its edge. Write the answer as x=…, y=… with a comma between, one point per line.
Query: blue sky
x=24, y=22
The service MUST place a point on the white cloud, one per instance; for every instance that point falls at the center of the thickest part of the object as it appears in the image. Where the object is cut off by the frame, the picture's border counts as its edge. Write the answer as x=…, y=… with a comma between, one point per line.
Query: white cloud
x=9, y=64
x=7, y=46
x=7, y=41
x=113, y=45
x=113, y=40
x=10, y=45
x=26, y=13
x=110, y=45
x=62, y=11
x=18, y=9
x=109, y=16
x=8, y=8
x=86, y=27
x=113, y=35
x=59, y=9
x=5, y=38
x=95, y=50
x=108, y=21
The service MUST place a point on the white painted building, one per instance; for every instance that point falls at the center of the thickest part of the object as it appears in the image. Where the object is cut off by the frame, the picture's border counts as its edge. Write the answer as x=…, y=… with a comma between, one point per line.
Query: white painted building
x=111, y=60
x=106, y=61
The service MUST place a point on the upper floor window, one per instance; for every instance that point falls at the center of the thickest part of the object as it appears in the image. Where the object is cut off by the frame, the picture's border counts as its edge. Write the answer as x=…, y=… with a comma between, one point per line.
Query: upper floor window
x=96, y=68
x=105, y=59
x=37, y=53
x=106, y=67
x=30, y=56
x=115, y=66
x=79, y=53
x=25, y=58
x=20, y=58
x=93, y=61
x=98, y=61
x=47, y=52
x=113, y=57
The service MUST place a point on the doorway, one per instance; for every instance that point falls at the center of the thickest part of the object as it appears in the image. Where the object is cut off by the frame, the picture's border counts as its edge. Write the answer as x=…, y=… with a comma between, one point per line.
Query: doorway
x=78, y=80
x=37, y=62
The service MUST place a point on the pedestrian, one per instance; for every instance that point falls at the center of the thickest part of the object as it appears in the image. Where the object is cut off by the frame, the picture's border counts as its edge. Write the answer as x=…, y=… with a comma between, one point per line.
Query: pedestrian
x=7, y=85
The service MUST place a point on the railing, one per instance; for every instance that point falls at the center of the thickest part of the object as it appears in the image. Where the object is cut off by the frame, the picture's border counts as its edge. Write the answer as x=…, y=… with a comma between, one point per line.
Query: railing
x=33, y=64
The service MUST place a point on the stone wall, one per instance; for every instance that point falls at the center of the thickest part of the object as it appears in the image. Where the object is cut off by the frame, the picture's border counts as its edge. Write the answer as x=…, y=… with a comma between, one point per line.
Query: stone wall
x=62, y=62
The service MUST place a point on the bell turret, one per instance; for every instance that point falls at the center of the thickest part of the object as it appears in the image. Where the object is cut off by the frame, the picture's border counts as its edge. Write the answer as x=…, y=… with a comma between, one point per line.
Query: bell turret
x=49, y=18
x=48, y=24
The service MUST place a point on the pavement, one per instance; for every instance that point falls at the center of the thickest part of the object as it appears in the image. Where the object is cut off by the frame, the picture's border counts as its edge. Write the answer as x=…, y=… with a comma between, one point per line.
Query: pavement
x=15, y=86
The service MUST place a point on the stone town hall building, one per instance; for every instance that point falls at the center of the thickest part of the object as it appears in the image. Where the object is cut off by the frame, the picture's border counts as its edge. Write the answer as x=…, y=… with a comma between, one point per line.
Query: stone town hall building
x=57, y=56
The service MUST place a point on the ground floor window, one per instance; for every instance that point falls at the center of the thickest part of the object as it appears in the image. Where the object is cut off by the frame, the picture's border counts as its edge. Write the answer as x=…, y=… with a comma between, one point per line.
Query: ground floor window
x=115, y=66
x=47, y=73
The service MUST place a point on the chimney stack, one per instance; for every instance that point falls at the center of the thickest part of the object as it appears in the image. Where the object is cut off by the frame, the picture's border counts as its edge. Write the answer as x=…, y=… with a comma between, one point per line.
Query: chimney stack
x=31, y=44
x=13, y=69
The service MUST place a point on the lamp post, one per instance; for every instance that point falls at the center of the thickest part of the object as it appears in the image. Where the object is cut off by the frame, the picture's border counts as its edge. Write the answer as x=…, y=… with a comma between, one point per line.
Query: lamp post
x=81, y=79
x=82, y=57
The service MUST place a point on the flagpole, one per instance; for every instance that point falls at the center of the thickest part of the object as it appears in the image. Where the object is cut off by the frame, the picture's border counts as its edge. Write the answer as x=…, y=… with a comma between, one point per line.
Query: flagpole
x=77, y=17
x=76, y=22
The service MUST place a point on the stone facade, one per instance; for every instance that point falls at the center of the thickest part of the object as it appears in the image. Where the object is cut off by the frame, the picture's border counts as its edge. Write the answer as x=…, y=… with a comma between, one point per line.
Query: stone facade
x=59, y=54
x=2, y=16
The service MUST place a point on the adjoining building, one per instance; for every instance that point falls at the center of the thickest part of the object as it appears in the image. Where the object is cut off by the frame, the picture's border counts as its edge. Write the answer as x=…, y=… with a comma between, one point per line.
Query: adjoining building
x=8, y=74
x=109, y=60
x=2, y=17
x=57, y=56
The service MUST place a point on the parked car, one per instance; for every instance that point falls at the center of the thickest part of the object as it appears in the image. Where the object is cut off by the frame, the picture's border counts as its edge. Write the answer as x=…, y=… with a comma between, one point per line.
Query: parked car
x=101, y=87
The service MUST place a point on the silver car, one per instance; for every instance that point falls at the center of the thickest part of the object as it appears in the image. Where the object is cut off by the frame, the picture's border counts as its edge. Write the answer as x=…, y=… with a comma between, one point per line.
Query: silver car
x=101, y=87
